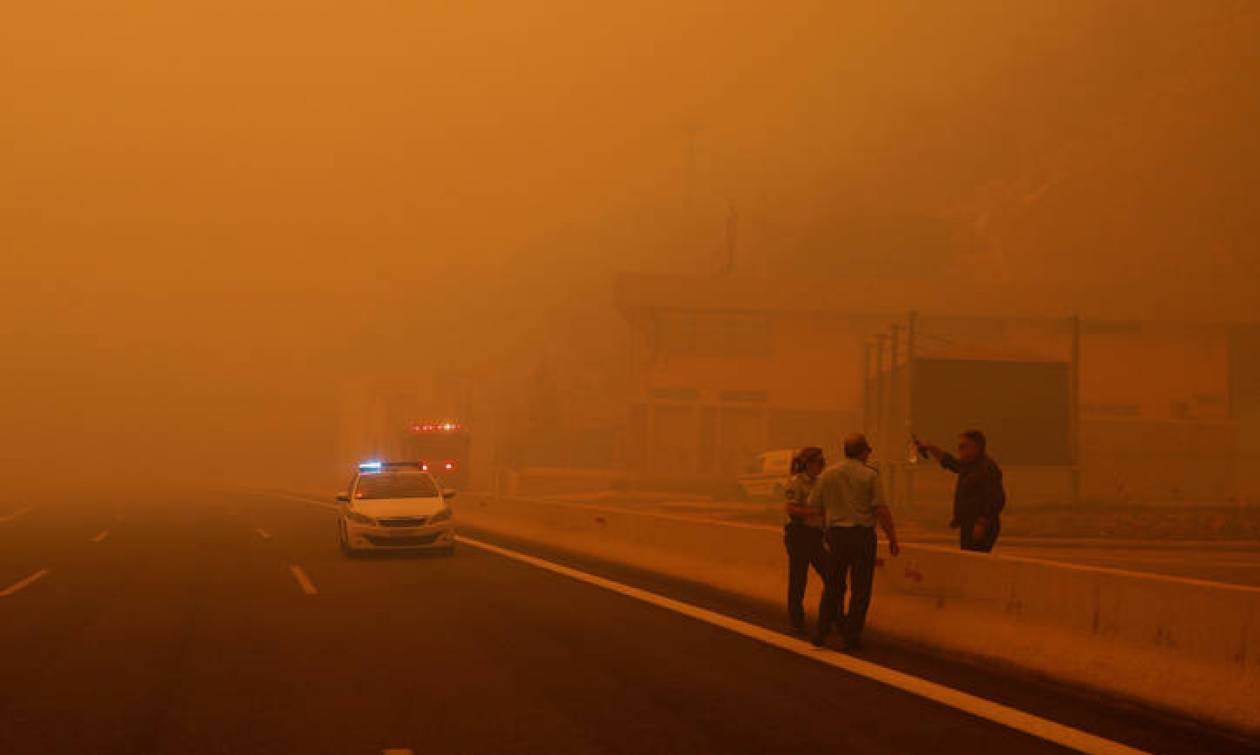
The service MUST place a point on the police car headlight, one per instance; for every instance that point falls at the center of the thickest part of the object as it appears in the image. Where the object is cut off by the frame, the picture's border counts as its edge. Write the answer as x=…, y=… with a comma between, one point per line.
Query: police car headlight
x=358, y=518
x=441, y=516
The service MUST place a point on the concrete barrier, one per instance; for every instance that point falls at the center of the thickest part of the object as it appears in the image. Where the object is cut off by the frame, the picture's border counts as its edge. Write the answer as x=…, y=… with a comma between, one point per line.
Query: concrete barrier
x=547, y=481
x=1186, y=645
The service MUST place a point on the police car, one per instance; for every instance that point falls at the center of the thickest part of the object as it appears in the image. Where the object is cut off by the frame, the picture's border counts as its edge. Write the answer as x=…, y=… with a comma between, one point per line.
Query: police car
x=395, y=506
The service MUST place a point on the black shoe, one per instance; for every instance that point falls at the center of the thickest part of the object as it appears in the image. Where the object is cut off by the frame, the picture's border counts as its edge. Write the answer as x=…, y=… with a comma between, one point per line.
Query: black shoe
x=798, y=625
x=820, y=638
x=852, y=645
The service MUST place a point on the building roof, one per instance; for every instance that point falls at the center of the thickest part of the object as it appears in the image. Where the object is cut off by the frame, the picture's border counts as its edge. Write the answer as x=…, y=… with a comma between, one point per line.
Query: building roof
x=829, y=296
x=882, y=298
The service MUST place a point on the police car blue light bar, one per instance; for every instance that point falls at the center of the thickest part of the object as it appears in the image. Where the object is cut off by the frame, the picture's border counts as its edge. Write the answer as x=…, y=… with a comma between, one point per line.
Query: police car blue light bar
x=437, y=427
x=370, y=466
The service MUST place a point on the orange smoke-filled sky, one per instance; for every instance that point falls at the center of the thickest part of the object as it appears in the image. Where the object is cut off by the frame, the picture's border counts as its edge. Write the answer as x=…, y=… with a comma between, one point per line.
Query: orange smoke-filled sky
x=211, y=212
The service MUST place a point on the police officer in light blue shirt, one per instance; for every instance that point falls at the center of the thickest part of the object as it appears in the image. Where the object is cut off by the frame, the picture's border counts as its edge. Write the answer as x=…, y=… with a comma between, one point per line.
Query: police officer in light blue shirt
x=803, y=533
x=850, y=496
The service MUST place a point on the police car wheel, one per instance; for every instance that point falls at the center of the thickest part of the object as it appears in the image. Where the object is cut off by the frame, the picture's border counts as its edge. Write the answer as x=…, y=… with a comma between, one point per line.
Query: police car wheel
x=344, y=541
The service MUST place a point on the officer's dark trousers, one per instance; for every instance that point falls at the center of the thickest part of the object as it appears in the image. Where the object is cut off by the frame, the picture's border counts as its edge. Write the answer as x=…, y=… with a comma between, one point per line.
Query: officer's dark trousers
x=805, y=549
x=984, y=544
x=853, y=562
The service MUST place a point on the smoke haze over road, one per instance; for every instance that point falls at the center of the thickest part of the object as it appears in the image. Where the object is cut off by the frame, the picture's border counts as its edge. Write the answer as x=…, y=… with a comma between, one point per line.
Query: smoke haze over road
x=210, y=213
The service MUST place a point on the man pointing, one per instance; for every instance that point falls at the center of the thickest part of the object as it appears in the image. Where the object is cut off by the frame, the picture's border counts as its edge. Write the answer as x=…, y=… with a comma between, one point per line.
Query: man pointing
x=979, y=496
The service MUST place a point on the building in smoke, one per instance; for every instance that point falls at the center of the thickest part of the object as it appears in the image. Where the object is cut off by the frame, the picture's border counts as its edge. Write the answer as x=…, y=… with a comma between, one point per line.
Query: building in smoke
x=1091, y=408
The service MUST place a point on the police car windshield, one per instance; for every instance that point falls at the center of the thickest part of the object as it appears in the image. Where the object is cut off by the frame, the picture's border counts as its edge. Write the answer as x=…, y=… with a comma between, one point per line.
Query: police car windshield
x=395, y=485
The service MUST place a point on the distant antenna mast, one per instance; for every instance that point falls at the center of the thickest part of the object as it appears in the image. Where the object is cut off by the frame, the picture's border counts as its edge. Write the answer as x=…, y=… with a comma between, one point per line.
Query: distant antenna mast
x=732, y=230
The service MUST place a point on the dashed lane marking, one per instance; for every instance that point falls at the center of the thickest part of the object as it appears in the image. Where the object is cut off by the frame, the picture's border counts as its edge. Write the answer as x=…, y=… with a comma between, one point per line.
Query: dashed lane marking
x=264, y=534
x=12, y=515
x=977, y=706
x=307, y=500
x=303, y=581
x=100, y=536
x=24, y=582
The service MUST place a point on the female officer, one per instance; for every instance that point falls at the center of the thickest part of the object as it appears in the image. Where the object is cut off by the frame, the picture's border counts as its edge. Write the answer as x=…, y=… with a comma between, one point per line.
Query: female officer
x=803, y=534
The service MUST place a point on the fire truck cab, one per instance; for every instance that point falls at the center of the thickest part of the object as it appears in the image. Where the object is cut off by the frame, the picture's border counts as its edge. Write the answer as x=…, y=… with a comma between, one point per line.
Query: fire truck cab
x=442, y=449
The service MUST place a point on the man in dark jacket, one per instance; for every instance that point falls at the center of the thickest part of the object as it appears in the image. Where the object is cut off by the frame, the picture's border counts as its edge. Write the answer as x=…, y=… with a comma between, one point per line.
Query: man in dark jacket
x=978, y=496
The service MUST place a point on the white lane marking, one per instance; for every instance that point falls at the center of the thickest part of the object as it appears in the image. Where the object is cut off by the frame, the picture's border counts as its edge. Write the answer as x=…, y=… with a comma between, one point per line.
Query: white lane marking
x=303, y=581
x=307, y=499
x=24, y=582
x=264, y=534
x=397, y=751
x=9, y=517
x=967, y=703
x=100, y=536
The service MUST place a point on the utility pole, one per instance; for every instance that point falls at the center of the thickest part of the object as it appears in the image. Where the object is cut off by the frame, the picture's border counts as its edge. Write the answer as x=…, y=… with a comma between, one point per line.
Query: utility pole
x=912, y=332
x=732, y=230
x=889, y=441
x=867, y=412
x=880, y=390
x=1074, y=407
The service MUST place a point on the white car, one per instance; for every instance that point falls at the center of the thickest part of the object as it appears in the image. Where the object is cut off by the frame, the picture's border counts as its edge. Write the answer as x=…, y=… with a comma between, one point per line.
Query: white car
x=395, y=506
x=767, y=475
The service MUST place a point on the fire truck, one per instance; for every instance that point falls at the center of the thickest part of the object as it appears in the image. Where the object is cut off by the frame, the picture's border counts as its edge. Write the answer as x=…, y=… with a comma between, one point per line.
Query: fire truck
x=443, y=449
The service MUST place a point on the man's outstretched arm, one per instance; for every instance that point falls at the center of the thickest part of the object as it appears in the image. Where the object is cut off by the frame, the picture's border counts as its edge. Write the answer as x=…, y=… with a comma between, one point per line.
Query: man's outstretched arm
x=946, y=459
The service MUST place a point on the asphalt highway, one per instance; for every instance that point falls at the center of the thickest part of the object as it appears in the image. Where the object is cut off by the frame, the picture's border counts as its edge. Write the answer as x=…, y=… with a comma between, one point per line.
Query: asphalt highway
x=231, y=623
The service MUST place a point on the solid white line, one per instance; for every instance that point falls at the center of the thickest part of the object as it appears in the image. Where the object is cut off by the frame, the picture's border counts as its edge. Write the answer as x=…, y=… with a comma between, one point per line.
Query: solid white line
x=15, y=515
x=25, y=581
x=264, y=534
x=100, y=536
x=967, y=703
x=303, y=581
